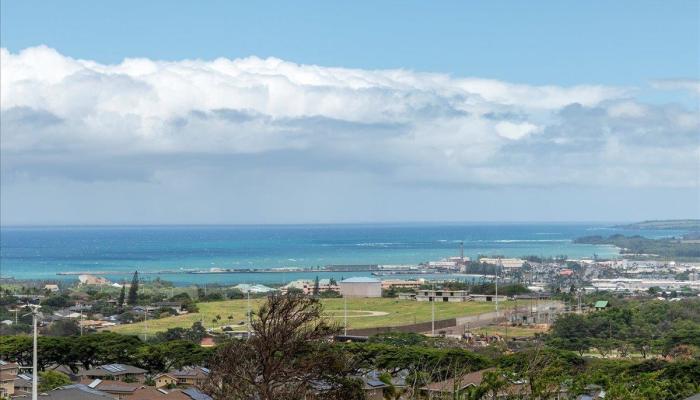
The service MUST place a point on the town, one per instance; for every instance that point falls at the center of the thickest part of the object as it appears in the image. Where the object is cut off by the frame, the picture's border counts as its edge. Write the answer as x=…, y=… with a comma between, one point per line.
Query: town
x=149, y=339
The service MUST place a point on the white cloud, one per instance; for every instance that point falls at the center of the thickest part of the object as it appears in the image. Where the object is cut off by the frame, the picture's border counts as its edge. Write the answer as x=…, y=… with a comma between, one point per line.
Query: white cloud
x=690, y=85
x=144, y=119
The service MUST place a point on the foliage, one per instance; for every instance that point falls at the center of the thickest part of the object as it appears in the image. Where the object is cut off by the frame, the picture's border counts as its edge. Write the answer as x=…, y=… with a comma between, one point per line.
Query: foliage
x=639, y=245
x=133, y=290
x=645, y=327
x=63, y=327
x=49, y=380
x=287, y=356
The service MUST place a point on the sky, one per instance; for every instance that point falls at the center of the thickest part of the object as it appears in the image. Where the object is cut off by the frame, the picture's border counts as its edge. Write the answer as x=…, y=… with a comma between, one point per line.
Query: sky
x=320, y=112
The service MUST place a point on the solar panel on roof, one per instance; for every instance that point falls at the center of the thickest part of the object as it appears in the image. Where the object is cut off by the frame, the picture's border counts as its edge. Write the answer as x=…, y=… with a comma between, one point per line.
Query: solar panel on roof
x=206, y=370
x=163, y=391
x=114, y=368
x=94, y=383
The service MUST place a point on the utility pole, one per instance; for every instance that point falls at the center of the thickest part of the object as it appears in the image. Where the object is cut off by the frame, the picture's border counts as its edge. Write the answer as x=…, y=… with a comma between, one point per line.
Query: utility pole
x=248, y=313
x=145, y=323
x=82, y=320
x=345, y=317
x=35, y=373
x=433, y=310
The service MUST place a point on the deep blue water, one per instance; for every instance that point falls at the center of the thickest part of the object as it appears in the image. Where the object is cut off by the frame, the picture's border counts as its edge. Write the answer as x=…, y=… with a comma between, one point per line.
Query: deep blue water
x=41, y=252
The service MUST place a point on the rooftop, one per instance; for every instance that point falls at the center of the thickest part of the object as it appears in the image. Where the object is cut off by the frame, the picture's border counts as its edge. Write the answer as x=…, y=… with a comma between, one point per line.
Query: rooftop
x=360, y=279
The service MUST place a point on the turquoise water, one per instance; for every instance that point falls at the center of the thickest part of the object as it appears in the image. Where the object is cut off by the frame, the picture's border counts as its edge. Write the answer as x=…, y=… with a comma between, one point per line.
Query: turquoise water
x=41, y=252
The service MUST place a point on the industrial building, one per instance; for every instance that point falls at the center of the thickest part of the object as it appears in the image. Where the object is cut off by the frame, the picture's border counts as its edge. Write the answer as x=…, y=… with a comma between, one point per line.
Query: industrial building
x=361, y=287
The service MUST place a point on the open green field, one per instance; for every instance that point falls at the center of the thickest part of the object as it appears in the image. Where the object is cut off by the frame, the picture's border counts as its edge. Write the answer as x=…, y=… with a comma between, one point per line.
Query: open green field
x=511, y=331
x=362, y=313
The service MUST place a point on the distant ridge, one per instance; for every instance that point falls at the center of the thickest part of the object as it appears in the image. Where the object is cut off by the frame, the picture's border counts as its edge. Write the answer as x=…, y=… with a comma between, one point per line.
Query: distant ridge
x=685, y=224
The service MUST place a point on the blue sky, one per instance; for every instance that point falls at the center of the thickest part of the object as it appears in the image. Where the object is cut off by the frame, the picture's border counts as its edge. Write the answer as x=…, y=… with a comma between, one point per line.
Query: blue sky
x=543, y=42
x=292, y=112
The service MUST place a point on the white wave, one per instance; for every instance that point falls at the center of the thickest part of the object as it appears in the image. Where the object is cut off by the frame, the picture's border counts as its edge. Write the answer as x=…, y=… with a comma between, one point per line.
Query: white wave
x=532, y=241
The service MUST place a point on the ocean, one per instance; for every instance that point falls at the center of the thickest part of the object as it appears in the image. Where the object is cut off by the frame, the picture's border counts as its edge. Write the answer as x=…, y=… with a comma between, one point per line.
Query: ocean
x=42, y=252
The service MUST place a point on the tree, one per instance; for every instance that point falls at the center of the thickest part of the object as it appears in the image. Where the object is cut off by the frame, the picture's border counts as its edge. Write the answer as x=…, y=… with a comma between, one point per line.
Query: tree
x=134, y=289
x=287, y=357
x=50, y=380
x=63, y=327
x=317, y=286
x=122, y=296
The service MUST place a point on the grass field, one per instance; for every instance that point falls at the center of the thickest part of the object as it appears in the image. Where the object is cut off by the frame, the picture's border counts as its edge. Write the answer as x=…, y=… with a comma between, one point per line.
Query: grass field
x=511, y=331
x=362, y=313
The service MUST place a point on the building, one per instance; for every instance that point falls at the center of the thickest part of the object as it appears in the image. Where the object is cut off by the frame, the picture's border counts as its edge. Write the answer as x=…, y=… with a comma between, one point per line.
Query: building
x=457, y=387
x=118, y=389
x=640, y=285
x=307, y=286
x=600, y=305
x=361, y=287
x=450, y=296
x=8, y=374
x=23, y=383
x=165, y=380
x=402, y=284
x=449, y=388
x=76, y=392
x=116, y=372
x=86, y=279
x=505, y=263
x=51, y=287
x=245, y=288
x=190, y=376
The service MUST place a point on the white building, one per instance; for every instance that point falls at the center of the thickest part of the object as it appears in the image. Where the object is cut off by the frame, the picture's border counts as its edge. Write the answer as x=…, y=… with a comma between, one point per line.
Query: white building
x=361, y=287
x=636, y=285
x=506, y=263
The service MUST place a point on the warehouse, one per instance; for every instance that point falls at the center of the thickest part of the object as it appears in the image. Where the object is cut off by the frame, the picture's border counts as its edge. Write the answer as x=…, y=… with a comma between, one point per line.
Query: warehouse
x=361, y=287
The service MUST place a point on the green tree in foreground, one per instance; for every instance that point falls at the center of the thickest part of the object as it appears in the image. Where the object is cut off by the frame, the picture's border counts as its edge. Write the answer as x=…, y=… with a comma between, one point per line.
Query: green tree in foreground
x=49, y=380
x=288, y=356
x=134, y=289
x=122, y=296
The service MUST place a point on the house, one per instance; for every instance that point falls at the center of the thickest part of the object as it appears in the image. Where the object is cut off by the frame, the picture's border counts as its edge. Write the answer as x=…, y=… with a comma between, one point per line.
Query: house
x=190, y=376
x=600, y=305
x=450, y=388
x=138, y=391
x=51, y=288
x=75, y=392
x=361, y=287
x=64, y=369
x=595, y=392
x=447, y=389
x=151, y=393
x=23, y=383
x=207, y=342
x=87, y=279
x=373, y=388
x=116, y=372
x=176, y=306
x=8, y=373
x=165, y=380
x=118, y=389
